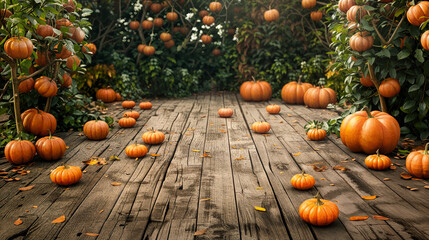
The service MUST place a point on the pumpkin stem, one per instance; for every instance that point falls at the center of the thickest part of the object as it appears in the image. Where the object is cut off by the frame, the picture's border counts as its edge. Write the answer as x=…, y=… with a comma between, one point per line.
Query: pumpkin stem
x=50, y=133
x=319, y=202
x=366, y=109
x=426, y=149
x=254, y=80
x=66, y=166
x=299, y=79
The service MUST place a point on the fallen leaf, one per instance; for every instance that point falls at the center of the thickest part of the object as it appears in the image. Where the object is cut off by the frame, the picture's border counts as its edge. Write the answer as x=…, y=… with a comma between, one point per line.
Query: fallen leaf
x=266, y=135
x=188, y=134
x=378, y=217
x=427, y=187
x=102, y=210
x=338, y=167
x=344, y=161
x=319, y=169
x=116, y=184
x=323, y=178
x=206, y=155
x=60, y=219
x=297, y=154
x=194, y=150
x=95, y=161
x=205, y=199
x=234, y=147
x=258, y=188
x=416, y=179
x=26, y=188
x=331, y=184
x=190, y=129
x=358, y=218
x=91, y=234
x=406, y=176
x=261, y=209
x=414, y=189
x=200, y=232
x=393, y=167
x=222, y=130
x=8, y=179
x=80, y=134
x=369, y=197
x=114, y=158
x=282, y=172
x=18, y=222
x=16, y=178
x=386, y=179
x=239, y=158
x=155, y=155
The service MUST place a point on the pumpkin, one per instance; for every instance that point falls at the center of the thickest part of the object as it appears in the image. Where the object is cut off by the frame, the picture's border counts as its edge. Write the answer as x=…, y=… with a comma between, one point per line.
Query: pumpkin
x=72, y=61
x=316, y=15
x=147, y=3
x=145, y=105
x=63, y=23
x=45, y=31
x=67, y=80
x=293, y=92
x=42, y=58
x=273, y=109
x=352, y=27
x=153, y=137
x=216, y=52
x=203, y=13
x=19, y=151
x=318, y=212
x=158, y=22
x=424, y=40
x=271, y=15
x=366, y=81
x=136, y=150
x=128, y=104
x=26, y=86
x=316, y=134
x=66, y=175
x=377, y=161
x=155, y=7
x=261, y=127
x=118, y=97
x=140, y=48
x=389, y=87
x=215, y=6
x=46, y=87
x=366, y=131
x=361, y=41
x=149, y=50
x=255, y=91
x=65, y=53
x=172, y=16
x=169, y=44
x=50, y=148
x=106, y=95
x=308, y=3
x=206, y=39
x=302, y=181
x=345, y=5
x=184, y=31
x=134, y=25
x=419, y=13
x=225, y=112
x=356, y=13
x=96, y=130
x=18, y=47
x=165, y=37
x=147, y=25
x=208, y=20
x=89, y=48
x=417, y=163
x=164, y=4
x=132, y=114
x=69, y=6
x=38, y=122
x=319, y=97
x=77, y=34
x=127, y=122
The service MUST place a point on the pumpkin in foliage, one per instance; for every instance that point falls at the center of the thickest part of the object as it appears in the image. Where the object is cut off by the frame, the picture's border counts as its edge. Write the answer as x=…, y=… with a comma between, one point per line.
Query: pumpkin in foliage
x=136, y=150
x=149, y=50
x=50, y=148
x=208, y=20
x=417, y=163
x=158, y=22
x=165, y=37
x=273, y=109
x=206, y=39
x=128, y=104
x=132, y=114
x=345, y=5
x=118, y=97
x=42, y=58
x=172, y=16
x=293, y=92
x=153, y=137
x=63, y=22
x=225, y=112
x=256, y=91
x=361, y=41
x=106, y=95
x=302, y=181
x=155, y=7
x=316, y=15
x=134, y=25
x=127, y=122
x=366, y=131
x=418, y=13
x=4, y=14
x=319, y=97
x=377, y=161
x=26, y=86
x=18, y=47
x=45, y=31
x=19, y=151
x=66, y=175
x=169, y=44
x=203, y=13
x=389, y=87
x=96, y=130
x=216, y=52
x=145, y=105
x=215, y=6
x=63, y=54
x=140, y=48
x=308, y=3
x=67, y=80
x=271, y=15
x=77, y=34
x=261, y=127
x=147, y=25
x=318, y=212
x=89, y=48
x=425, y=40
x=356, y=13
x=366, y=81
x=38, y=122
x=73, y=62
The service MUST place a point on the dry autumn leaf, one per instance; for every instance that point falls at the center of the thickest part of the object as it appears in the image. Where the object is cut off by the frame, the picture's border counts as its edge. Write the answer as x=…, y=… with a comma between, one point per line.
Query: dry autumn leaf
x=195, y=150
x=116, y=184
x=297, y=154
x=378, y=217
x=205, y=199
x=386, y=179
x=91, y=234
x=206, y=155
x=414, y=189
x=188, y=134
x=95, y=161
x=369, y=197
x=261, y=209
x=393, y=167
x=427, y=187
x=406, y=176
x=258, y=188
x=102, y=210
x=239, y=158
x=155, y=155
x=200, y=232
x=358, y=218
x=60, y=219
x=319, y=169
x=26, y=188
x=18, y=222
x=338, y=167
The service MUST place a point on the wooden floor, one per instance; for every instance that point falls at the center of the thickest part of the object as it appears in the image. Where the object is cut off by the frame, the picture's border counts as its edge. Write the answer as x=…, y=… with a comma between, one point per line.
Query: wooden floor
x=182, y=195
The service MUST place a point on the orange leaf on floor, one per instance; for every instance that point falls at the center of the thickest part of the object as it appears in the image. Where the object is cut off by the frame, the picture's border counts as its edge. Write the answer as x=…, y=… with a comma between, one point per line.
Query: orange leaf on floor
x=26, y=188
x=319, y=169
x=261, y=209
x=205, y=199
x=369, y=197
x=195, y=150
x=155, y=155
x=427, y=186
x=378, y=217
x=91, y=234
x=358, y=218
x=338, y=167
x=297, y=154
x=406, y=176
x=60, y=219
x=116, y=184
x=18, y=222
x=200, y=232
x=239, y=158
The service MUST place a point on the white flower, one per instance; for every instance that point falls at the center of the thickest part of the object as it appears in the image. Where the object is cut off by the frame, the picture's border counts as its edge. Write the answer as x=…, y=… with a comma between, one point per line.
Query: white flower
x=194, y=37
x=194, y=29
x=137, y=7
x=189, y=16
x=150, y=19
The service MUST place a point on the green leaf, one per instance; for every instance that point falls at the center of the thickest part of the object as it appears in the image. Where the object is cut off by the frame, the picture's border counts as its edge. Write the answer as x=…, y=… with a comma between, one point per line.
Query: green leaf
x=419, y=55
x=403, y=54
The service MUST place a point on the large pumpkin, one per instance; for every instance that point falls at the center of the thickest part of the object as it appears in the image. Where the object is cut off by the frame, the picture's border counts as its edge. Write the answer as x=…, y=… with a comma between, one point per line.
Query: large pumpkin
x=419, y=13
x=366, y=131
x=361, y=41
x=389, y=87
x=66, y=175
x=96, y=130
x=318, y=212
x=256, y=91
x=38, y=122
x=417, y=163
x=46, y=86
x=293, y=92
x=18, y=47
x=345, y=5
x=50, y=148
x=19, y=152
x=106, y=95
x=318, y=97
x=271, y=15
x=425, y=40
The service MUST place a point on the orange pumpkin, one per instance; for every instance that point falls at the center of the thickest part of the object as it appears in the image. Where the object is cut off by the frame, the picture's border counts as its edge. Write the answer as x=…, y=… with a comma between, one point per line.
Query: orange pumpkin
x=134, y=25
x=417, y=163
x=147, y=25
x=26, y=86
x=293, y=92
x=153, y=137
x=172, y=16
x=149, y=50
x=377, y=161
x=271, y=15
x=389, y=87
x=136, y=150
x=366, y=81
x=147, y=3
x=67, y=80
x=203, y=13
x=366, y=131
x=145, y=105
x=208, y=20
x=216, y=52
x=261, y=127
x=316, y=134
x=46, y=87
x=356, y=13
x=106, y=95
x=77, y=34
x=256, y=91
x=225, y=112
x=155, y=7
x=419, y=13
x=19, y=151
x=63, y=22
x=206, y=39
x=63, y=54
x=273, y=109
x=169, y=44
x=318, y=97
x=316, y=15
x=96, y=130
x=215, y=6
x=308, y=3
x=66, y=175
x=158, y=22
x=45, y=31
x=345, y=5
x=18, y=47
x=318, y=212
x=352, y=27
x=425, y=40
x=127, y=122
x=51, y=148
x=132, y=114
x=140, y=48
x=38, y=122
x=72, y=61
x=118, y=97
x=89, y=48
x=42, y=58
x=361, y=41
x=165, y=37
x=302, y=181
x=128, y=104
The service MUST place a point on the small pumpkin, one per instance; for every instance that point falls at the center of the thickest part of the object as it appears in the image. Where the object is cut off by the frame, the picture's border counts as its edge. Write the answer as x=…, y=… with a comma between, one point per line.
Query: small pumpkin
x=169, y=44
x=147, y=25
x=153, y=137
x=72, y=61
x=271, y=15
x=46, y=87
x=389, y=87
x=172, y=16
x=215, y=6
x=256, y=91
x=208, y=20
x=377, y=161
x=293, y=92
x=356, y=13
x=96, y=130
x=318, y=212
x=140, y=48
x=136, y=150
x=319, y=97
x=316, y=134
x=45, y=31
x=273, y=109
x=216, y=52
x=366, y=81
x=134, y=25
x=18, y=47
x=77, y=34
x=149, y=50
x=345, y=5
x=206, y=39
x=308, y=3
x=155, y=7
x=419, y=13
x=128, y=104
x=50, y=148
x=316, y=15
x=63, y=22
x=361, y=41
x=42, y=58
x=38, y=122
x=165, y=37
x=417, y=163
x=424, y=40
x=132, y=114
x=203, y=13
x=118, y=97
x=145, y=105
x=158, y=22
x=261, y=127
x=106, y=95
x=19, y=151
x=147, y=3
x=127, y=122
x=63, y=54
x=225, y=112
x=67, y=80
x=89, y=48
x=302, y=181
x=26, y=86
x=66, y=175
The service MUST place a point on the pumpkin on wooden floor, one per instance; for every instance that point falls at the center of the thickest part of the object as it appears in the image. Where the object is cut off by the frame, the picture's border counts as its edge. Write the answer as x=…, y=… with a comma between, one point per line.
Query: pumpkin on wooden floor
x=128, y=104
x=38, y=122
x=66, y=175
x=136, y=150
x=261, y=127
x=389, y=87
x=106, y=95
x=315, y=131
x=377, y=161
x=127, y=122
x=302, y=181
x=46, y=87
x=273, y=109
x=319, y=97
x=96, y=130
x=50, y=148
x=145, y=105
x=293, y=92
x=417, y=163
x=256, y=91
x=318, y=212
x=19, y=151
x=132, y=114
x=153, y=137
x=366, y=131
x=225, y=112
